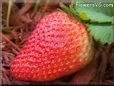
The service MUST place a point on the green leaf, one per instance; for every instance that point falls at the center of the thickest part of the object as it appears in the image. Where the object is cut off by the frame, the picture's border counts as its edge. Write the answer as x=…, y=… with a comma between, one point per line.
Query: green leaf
x=99, y=19
x=96, y=11
x=84, y=16
x=103, y=33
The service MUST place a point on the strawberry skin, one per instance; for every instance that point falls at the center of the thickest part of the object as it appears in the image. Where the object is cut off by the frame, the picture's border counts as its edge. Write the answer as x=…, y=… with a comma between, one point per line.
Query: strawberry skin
x=58, y=46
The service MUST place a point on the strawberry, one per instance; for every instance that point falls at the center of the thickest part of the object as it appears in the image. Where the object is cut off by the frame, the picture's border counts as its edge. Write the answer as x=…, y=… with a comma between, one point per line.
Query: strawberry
x=58, y=46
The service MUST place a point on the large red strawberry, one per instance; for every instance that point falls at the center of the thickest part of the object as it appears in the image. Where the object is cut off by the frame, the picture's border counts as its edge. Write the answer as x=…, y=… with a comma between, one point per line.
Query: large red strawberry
x=58, y=46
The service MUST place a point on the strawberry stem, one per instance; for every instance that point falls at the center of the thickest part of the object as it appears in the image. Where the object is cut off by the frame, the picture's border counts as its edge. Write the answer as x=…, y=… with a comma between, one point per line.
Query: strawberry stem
x=36, y=5
x=9, y=12
x=70, y=10
x=65, y=8
x=44, y=9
